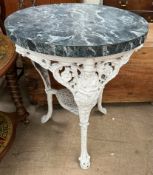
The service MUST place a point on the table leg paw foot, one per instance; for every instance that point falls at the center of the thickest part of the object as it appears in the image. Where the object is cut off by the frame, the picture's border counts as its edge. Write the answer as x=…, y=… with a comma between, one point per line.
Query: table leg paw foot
x=45, y=118
x=102, y=110
x=85, y=162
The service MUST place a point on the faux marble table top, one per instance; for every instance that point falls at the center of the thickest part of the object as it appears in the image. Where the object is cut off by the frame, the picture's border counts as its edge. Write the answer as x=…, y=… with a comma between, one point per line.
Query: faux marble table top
x=76, y=30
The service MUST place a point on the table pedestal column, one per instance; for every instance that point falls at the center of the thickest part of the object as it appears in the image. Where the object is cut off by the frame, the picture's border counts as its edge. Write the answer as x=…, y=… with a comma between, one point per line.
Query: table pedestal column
x=86, y=96
x=84, y=122
x=85, y=78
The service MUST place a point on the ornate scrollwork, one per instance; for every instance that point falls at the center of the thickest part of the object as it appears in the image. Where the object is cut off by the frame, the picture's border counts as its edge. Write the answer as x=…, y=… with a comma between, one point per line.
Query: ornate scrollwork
x=86, y=77
x=66, y=74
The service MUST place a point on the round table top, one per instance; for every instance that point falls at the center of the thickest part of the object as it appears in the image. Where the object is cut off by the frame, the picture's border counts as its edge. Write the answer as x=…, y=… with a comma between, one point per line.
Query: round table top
x=7, y=54
x=76, y=30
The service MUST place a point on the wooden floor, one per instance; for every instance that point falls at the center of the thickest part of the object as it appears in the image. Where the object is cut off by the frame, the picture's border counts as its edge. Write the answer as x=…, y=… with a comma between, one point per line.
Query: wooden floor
x=120, y=143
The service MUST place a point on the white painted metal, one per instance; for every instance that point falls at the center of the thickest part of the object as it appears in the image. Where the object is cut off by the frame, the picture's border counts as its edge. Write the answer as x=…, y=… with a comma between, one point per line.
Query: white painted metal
x=49, y=91
x=85, y=78
x=66, y=100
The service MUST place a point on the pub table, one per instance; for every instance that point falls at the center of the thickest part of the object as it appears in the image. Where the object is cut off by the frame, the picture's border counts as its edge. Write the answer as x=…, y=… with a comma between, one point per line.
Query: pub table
x=83, y=45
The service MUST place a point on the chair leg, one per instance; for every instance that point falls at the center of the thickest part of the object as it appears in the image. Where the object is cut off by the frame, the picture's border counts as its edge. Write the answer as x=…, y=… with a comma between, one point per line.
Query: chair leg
x=11, y=78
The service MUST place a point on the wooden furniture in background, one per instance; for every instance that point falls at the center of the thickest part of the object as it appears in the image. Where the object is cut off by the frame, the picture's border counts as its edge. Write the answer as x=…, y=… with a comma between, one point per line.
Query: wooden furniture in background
x=13, y=5
x=8, y=66
x=7, y=132
x=7, y=54
x=7, y=124
x=7, y=62
x=141, y=7
x=2, y=15
x=8, y=121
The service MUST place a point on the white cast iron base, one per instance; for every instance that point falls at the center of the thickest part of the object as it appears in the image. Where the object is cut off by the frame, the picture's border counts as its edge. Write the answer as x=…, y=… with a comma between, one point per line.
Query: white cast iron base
x=85, y=78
